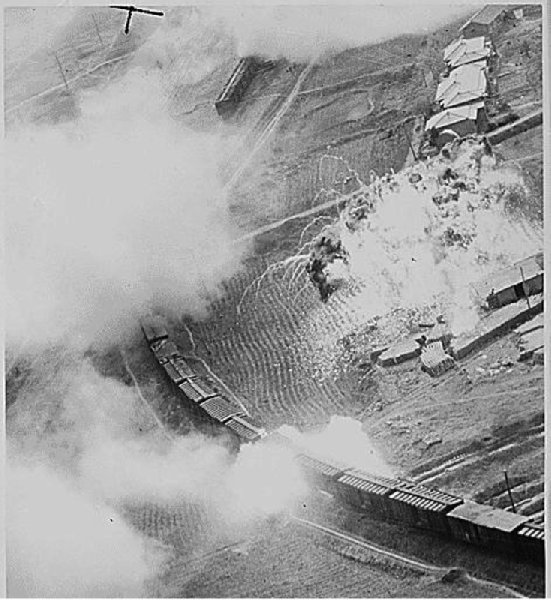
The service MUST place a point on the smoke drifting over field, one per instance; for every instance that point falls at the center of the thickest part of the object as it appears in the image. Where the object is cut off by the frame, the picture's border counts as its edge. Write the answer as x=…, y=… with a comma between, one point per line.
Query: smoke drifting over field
x=81, y=449
x=110, y=215
x=342, y=440
x=301, y=33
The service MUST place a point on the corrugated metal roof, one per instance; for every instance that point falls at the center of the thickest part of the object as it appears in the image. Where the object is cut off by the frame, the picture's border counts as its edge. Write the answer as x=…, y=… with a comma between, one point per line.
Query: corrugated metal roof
x=219, y=408
x=366, y=483
x=532, y=530
x=196, y=390
x=245, y=429
x=429, y=493
x=319, y=464
x=417, y=501
x=487, y=516
x=454, y=115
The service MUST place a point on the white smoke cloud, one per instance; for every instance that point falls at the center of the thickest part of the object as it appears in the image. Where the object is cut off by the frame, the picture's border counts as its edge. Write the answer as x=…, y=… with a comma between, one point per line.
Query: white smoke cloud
x=112, y=214
x=81, y=450
x=63, y=543
x=344, y=441
x=305, y=32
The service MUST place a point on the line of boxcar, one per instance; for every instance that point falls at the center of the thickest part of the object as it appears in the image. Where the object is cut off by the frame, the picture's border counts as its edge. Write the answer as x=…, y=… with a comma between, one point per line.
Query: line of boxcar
x=387, y=498
x=200, y=395
x=421, y=507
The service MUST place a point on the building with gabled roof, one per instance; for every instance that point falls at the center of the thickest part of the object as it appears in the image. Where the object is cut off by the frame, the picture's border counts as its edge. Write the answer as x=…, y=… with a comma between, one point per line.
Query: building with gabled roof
x=458, y=121
x=486, y=21
x=468, y=51
x=464, y=84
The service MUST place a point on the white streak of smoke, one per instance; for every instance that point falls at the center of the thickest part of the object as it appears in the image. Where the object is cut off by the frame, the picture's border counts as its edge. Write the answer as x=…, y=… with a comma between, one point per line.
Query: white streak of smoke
x=302, y=33
x=344, y=441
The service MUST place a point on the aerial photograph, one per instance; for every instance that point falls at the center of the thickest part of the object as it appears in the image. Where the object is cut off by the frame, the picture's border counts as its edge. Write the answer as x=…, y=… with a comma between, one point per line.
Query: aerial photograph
x=274, y=309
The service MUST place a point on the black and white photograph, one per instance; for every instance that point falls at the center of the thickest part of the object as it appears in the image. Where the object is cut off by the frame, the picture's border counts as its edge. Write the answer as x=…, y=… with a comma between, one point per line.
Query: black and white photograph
x=274, y=303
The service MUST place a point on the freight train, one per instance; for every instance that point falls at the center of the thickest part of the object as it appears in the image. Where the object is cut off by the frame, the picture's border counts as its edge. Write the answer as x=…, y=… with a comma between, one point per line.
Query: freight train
x=386, y=498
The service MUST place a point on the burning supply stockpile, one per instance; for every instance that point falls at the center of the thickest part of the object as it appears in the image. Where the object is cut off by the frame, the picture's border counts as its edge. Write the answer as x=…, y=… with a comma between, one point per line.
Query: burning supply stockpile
x=421, y=237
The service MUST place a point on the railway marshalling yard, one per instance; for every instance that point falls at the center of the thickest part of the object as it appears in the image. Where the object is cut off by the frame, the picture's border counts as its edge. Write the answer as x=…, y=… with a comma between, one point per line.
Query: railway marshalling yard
x=293, y=360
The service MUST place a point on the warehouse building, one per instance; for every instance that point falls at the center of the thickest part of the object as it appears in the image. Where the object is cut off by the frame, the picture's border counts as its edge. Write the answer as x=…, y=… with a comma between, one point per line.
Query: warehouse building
x=487, y=21
x=464, y=51
x=522, y=279
x=467, y=83
x=457, y=121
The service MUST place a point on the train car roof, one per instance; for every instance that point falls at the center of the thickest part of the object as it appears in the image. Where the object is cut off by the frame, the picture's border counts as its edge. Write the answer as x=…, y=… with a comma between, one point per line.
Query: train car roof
x=487, y=516
x=172, y=372
x=166, y=349
x=153, y=328
x=195, y=391
x=429, y=493
x=367, y=482
x=182, y=366
x=321, y=464
x=220, y=409
x=532, y=530
x=244, y=429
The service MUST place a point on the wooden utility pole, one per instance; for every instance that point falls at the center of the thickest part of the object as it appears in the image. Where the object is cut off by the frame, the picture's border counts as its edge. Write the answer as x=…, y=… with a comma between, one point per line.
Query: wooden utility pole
x=61, y=71
x=509, y=492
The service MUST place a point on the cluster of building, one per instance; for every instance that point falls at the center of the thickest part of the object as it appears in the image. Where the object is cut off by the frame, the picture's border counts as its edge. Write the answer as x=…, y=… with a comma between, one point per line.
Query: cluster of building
x=469, y=83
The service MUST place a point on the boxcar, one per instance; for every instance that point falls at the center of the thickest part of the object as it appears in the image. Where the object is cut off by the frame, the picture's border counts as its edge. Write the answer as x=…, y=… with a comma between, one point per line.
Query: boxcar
x=163, y=350
x=485, y=526
x=321, y=472
x=246, y=429
x=220, y=409
x=366, y=492
x=154, y=329
x=197, y=390
x=530, y=539
x=183, y=368
x=422, y=507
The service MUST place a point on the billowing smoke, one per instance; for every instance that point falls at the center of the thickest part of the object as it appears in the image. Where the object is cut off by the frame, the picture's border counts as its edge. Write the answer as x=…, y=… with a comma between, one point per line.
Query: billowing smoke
x=61, y=542
x=83, y=449
x=112, y=214
x=413, y=245
x=305, y=32
x=343, y=441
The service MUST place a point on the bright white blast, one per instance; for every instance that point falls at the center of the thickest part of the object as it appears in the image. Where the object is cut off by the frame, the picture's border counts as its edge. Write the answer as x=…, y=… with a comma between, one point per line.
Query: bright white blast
x=416, y=241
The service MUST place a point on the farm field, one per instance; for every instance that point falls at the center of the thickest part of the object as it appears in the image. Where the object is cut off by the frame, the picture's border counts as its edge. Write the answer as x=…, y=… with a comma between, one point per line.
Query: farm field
x=291, y=359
